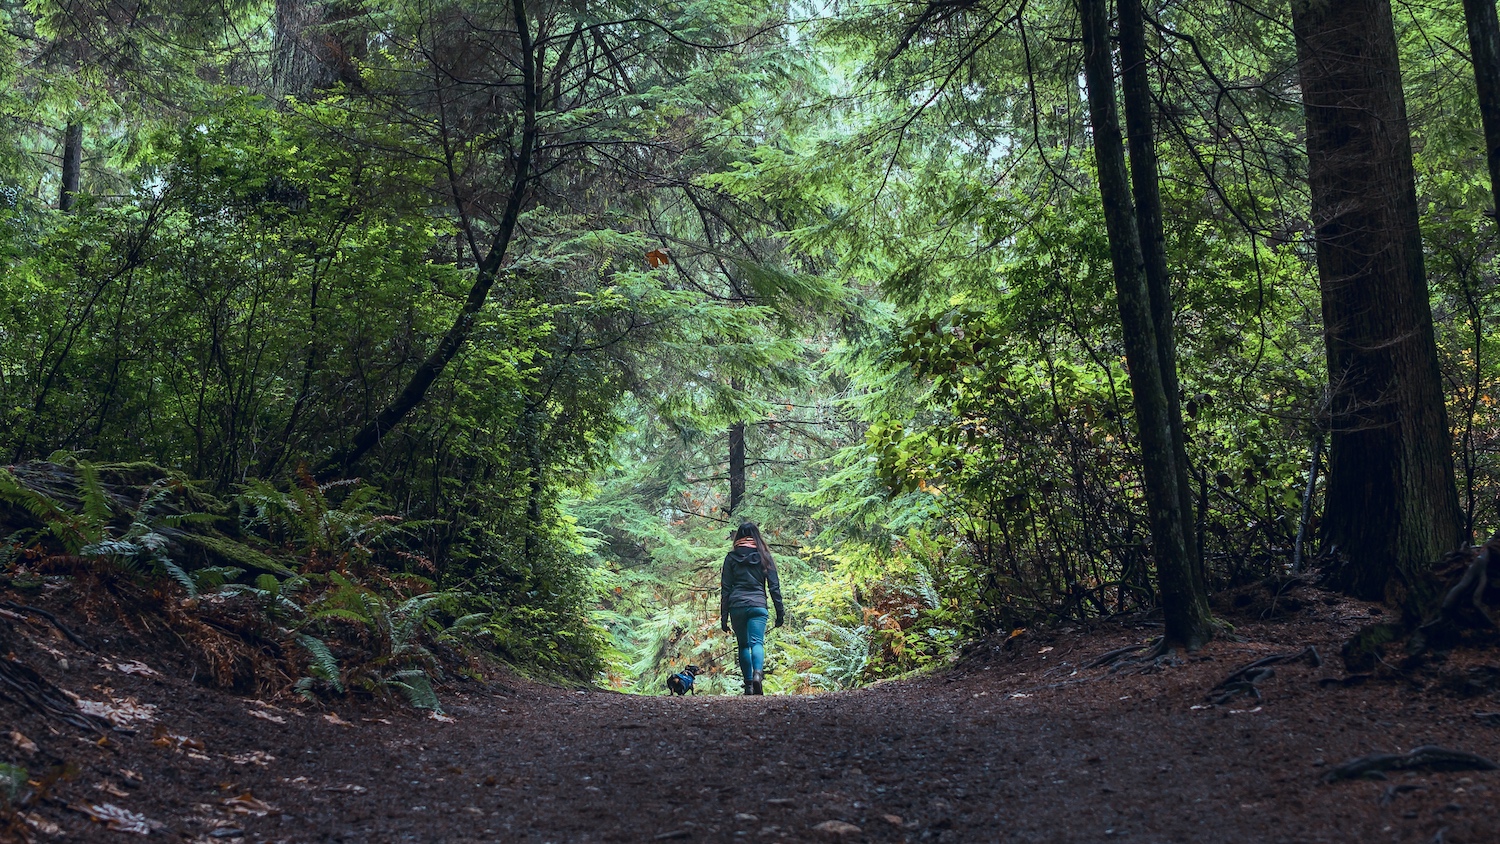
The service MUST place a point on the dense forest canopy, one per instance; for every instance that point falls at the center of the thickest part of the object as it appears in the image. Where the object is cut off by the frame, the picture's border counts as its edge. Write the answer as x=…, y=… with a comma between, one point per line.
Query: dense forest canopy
x=991, y=312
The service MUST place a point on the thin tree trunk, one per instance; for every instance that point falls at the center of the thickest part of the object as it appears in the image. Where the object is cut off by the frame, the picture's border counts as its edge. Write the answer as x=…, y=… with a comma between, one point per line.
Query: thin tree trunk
x=416, y=387
x=1188, y=622
x=1484, y=46
x=72, y=165
x=736, y=465
x=736, y=458
x=1391, y=503
x=1140, y=131
x=1307, y=502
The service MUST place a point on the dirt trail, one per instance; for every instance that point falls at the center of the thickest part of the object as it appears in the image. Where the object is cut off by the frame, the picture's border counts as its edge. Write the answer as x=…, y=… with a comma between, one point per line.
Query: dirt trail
x=1013, y=746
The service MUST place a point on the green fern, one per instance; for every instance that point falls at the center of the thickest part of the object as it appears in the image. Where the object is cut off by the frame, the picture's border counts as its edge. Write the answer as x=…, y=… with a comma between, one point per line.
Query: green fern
x=213, y=577
x=61, y=524
x=324, y=665
x=417, y=686
x=95, y=501
x=12, y=779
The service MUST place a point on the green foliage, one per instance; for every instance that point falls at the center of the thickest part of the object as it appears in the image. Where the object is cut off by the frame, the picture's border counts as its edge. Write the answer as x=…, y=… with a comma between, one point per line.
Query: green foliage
x=877, y=245
x=324, y=665
x=12, y=781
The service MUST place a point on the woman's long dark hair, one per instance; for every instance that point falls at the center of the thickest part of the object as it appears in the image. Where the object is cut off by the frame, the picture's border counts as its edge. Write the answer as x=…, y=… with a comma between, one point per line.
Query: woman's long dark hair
x=748, y=530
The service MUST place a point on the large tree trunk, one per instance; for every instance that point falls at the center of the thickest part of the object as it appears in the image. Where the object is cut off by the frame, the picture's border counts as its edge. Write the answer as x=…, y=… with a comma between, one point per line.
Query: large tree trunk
x=310, y=51
x=1391, y=502
x=72, y=165
x=1140, y=130
x=1188, y=621
x=1484, y=46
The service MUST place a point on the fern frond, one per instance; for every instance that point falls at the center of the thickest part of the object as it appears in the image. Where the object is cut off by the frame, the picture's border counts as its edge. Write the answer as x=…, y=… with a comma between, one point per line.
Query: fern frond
x=417, y=686
x=324, y=665
x=165, y=566
x=338, y=612
x=95, y=500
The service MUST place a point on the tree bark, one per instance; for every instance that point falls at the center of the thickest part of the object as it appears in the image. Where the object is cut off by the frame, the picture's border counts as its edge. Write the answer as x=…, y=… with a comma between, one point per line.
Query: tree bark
x=1391, y=502
x=72, y=165
x=736, y=465
x=1188, y=621
x=428, y=371
x=1484, y=46
x=1140, y=132
x=309, y=51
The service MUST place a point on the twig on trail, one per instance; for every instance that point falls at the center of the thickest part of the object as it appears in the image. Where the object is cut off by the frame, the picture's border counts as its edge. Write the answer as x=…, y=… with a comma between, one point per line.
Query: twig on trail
x=1243, y=680
x=1391, y=791
x=1428, y=758
x=24, y=686
x=72, y=637
x=1491, y=718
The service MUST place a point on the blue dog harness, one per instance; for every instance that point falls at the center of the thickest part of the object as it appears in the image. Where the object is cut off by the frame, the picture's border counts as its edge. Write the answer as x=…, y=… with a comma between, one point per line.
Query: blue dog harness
x=687, y=681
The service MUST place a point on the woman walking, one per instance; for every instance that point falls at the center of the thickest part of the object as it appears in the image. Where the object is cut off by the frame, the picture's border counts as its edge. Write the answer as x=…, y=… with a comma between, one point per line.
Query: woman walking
x=749, y=571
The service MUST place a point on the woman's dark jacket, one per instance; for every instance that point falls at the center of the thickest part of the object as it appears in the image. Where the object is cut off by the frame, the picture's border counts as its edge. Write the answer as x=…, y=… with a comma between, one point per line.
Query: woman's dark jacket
x=745, y=580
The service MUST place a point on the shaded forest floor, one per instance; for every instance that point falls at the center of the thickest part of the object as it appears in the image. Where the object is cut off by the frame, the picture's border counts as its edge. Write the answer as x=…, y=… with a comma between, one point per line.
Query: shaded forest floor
x=1018, y=742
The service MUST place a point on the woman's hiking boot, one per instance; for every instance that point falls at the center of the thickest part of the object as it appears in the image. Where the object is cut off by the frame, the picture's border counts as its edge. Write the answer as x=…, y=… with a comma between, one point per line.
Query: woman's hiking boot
x=755, y=683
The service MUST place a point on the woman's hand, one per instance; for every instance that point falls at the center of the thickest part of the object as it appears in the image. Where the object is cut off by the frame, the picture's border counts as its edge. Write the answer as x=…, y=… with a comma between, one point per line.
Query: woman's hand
x=724, y=624
x=779, y=619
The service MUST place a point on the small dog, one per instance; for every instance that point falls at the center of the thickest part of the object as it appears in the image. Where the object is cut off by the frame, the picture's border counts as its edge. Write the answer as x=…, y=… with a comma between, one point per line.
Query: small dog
x=681, y=684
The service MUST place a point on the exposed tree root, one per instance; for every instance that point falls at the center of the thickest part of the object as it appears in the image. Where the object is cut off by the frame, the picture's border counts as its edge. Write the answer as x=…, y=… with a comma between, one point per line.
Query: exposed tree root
x=1244, y=679
x=1151, y=656
x=72, y=637
x=1429, y=758
x=1114, y=656
x=21, y=685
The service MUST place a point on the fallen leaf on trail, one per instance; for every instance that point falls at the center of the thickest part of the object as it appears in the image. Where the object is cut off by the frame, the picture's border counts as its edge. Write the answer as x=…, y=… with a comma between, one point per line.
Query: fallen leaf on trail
x=135, y=666
x=111, y=789
x=167, y=739
x=199, y=756
x=836, y=830
x=131, y=776
x=266, y=716
x=115, y=818
x=893, y=820
x=438, y=716
x=346, y=789
x=121, y=712
x=21, y=743
x=334, y=719
x=42, y=825
x=254, y=757
x=247, y=804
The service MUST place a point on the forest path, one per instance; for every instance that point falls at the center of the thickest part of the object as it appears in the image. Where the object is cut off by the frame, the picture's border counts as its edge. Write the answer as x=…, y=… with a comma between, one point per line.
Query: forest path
x=1018, y=744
